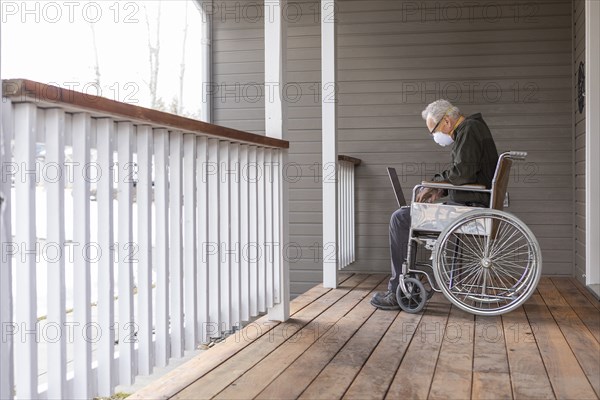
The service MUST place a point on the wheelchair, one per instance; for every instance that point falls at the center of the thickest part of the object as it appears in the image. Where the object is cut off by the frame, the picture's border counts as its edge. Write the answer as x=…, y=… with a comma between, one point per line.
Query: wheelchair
x=485, y=260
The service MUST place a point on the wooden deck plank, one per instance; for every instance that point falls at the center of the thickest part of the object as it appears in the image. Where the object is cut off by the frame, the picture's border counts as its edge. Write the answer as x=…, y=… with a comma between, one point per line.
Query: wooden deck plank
x=339, y=372
x=491, y=377
x=586, y=311
x=566, y=376
x=452, y=376
x=375, y=377
x=325, y=331
x=585, y=291
x=346, y=315
x=414, y=376
x=230, y=370
x=182, y=376
x=583, y=344
x=528, y=375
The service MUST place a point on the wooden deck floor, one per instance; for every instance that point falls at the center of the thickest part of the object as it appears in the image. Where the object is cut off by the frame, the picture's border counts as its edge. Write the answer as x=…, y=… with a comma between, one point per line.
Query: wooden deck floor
x=336, y=345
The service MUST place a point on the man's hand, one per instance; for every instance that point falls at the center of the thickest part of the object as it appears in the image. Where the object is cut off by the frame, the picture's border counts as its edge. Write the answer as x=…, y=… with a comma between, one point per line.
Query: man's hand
x=429, y=195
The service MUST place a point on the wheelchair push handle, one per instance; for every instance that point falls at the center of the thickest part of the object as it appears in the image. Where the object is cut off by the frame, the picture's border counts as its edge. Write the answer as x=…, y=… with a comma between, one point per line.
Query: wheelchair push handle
x=517, y=155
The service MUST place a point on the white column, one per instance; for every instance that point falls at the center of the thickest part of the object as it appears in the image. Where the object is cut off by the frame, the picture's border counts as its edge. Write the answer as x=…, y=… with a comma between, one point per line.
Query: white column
x=6, y=306
x=592, y=141
x=276, y=126
x=329, y=111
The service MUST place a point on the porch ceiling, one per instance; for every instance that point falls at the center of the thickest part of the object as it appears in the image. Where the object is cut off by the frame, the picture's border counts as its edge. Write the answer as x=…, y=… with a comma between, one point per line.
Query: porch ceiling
x=337, y=345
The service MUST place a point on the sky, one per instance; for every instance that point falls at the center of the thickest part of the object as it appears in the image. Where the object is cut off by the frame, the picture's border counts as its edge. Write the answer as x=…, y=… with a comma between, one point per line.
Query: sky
x=52, y=42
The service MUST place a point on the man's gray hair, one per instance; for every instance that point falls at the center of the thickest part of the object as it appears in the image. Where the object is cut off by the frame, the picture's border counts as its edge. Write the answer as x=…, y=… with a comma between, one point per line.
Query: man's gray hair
x=438, y=109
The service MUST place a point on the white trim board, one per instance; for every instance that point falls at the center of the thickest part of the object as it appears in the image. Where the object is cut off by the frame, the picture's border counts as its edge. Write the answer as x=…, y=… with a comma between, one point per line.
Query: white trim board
x=592, y=142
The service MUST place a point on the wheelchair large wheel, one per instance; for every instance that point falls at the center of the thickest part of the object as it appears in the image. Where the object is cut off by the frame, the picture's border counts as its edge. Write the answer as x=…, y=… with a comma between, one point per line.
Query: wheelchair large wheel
x=487, y=262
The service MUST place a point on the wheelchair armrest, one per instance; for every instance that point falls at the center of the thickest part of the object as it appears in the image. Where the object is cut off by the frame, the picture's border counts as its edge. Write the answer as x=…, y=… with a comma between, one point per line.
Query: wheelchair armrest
x=446, y=185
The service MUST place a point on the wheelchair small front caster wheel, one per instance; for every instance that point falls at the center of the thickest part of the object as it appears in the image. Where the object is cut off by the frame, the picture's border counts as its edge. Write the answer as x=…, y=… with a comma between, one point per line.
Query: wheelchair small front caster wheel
x=415, y=300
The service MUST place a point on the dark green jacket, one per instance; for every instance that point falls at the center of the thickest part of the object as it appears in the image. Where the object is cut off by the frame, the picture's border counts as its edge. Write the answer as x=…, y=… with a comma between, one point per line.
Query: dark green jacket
x=474, y=158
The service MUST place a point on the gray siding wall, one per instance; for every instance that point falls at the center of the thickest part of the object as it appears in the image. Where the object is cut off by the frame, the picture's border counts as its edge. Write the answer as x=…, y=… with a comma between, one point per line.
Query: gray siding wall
x=579, y=146
x=510, y=62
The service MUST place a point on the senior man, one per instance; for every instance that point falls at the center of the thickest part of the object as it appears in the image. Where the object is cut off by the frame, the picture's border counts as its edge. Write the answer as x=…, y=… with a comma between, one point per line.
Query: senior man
x=474, y=158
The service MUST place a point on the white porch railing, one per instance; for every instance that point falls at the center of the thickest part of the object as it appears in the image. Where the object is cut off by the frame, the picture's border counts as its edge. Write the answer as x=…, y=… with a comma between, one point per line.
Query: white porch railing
x=129, y=235
x=346, y=234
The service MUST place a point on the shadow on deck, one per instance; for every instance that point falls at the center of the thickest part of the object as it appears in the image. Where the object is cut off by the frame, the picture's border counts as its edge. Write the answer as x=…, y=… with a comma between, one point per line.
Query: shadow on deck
x=336, y=345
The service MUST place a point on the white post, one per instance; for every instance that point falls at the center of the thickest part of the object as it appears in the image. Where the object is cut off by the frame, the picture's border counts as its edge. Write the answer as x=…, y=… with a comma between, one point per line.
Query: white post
x=206, y=10
x=329, y=112
x=244, y=233
x=6, y=305
x=55, y=195
x=26, y=360
x=592, y=141
x=276, y=126
x=6, y=317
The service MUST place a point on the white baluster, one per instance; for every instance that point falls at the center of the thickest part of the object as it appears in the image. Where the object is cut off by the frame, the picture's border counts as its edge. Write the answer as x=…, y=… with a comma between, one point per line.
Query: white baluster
x=224, y=240
x=254, y=169
x=6, y=239
x=278, y=247
x=106, y=297
x=268, y=248
x=55, y=235
x=144, y=238
x=161, y=205
x=262, y=265
x=202, y=229
x=352, y=211
x=244, y=231
x=234, y=231
x=128, y=252
x=189, y=207
x=82, y=350
x=175, y=249
x=26, y=360
x=212, y=246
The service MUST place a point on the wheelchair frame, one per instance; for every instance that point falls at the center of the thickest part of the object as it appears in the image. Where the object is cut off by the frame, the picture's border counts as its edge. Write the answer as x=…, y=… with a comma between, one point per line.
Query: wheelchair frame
x=494, y=267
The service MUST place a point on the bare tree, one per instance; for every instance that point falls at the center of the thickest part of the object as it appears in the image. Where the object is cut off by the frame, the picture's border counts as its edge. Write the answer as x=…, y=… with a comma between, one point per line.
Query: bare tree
x=97, y=62
x=182, y=65
x=153, y=54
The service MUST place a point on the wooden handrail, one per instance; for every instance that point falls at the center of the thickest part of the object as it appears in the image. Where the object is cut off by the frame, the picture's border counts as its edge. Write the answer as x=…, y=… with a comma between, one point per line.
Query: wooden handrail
x=24, y=90
x=355, y=161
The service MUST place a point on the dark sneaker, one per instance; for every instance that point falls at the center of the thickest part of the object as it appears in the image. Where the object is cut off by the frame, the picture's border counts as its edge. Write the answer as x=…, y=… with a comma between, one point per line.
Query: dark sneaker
x=385, y=301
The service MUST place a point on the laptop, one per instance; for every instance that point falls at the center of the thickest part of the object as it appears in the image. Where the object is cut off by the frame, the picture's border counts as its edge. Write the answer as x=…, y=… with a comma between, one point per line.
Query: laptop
x=396, y=186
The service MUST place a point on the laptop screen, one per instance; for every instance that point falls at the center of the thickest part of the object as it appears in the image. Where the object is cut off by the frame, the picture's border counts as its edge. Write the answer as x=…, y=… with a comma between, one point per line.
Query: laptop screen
x=396, y=186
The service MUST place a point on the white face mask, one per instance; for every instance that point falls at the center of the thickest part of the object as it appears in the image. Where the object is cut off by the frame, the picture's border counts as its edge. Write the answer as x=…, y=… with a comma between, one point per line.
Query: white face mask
x=442, y=139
